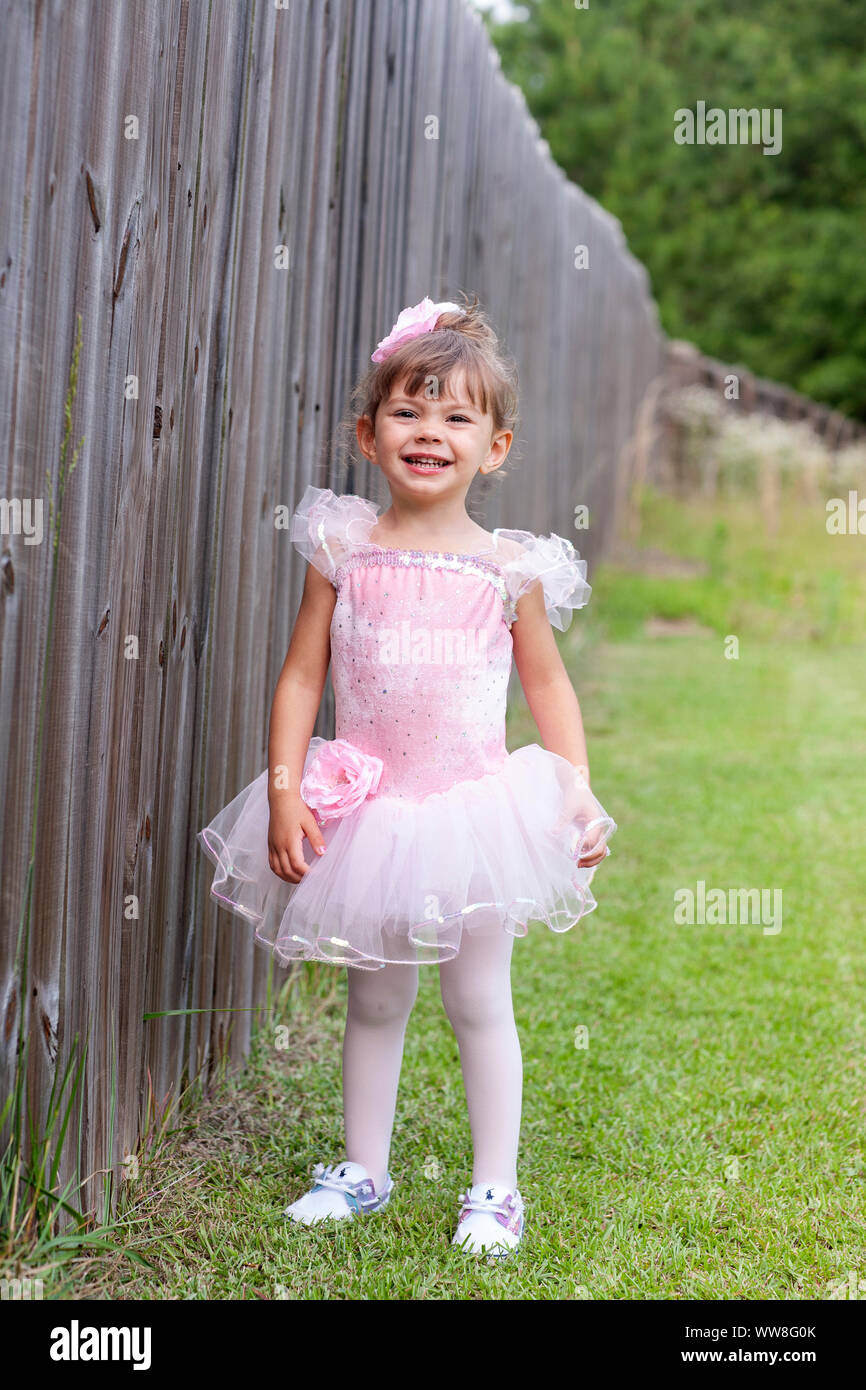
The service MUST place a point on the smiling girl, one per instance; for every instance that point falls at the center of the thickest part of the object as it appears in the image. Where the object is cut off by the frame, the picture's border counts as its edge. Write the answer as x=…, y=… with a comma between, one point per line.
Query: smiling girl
x=414, y=837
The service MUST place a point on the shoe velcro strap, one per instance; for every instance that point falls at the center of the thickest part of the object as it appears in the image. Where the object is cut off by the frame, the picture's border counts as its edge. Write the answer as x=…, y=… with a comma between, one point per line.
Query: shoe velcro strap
x=481, y=1204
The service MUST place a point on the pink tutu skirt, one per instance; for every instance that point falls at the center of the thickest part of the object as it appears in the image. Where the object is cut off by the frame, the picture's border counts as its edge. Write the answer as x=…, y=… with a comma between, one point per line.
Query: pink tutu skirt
x=401, y=880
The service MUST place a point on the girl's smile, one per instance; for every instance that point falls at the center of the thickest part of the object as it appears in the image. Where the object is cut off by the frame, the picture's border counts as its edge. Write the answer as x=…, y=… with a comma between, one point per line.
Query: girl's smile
x=426, y=463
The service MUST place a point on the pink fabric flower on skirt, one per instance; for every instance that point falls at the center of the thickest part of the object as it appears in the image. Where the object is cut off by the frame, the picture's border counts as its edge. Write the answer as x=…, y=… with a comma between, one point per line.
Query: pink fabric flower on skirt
x=339, y=778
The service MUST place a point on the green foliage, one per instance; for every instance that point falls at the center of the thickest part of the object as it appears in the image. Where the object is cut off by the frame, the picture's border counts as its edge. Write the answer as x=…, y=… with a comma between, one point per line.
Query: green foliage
x=755, y=258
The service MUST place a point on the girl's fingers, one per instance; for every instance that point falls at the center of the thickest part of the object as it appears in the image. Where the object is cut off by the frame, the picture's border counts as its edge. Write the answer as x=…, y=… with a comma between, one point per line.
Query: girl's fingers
x=311, y=829
x=593, y=851
x=288, y=861
x=282, y=864
x=296, y=858
x=589, y=859
x=290, y=870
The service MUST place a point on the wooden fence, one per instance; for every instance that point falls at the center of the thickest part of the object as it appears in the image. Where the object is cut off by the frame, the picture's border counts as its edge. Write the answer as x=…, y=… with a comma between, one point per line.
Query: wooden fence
x=155, y=158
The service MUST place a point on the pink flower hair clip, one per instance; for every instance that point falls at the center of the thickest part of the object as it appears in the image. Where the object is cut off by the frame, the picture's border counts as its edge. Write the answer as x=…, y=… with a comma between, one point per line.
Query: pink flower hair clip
x=411, y=323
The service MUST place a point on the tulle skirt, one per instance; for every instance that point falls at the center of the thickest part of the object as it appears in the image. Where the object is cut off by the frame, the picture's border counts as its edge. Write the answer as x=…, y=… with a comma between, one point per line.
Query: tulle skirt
x=401, y=880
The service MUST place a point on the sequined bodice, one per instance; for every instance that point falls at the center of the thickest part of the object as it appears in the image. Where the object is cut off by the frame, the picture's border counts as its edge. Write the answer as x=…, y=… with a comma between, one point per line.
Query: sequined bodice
x=421, y=655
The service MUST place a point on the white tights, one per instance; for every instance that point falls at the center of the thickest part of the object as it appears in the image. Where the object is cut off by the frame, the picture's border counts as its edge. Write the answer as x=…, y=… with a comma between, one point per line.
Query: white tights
x=476, y=993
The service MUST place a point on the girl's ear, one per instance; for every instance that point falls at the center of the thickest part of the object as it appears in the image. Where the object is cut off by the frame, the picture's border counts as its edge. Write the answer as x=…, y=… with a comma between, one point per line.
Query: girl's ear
x=366, y=435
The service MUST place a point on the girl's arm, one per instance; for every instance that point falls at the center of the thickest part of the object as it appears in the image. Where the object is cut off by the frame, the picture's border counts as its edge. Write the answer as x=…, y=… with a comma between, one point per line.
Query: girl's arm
x=548, y=689
x=295, y=705
x=546, y=684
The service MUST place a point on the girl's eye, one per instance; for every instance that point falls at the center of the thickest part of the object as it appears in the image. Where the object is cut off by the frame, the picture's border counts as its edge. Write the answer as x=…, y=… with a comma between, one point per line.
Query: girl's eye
x=405, y=411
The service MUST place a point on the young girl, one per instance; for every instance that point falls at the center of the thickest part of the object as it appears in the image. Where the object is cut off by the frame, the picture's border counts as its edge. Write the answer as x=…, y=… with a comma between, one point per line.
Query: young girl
x=413, y=836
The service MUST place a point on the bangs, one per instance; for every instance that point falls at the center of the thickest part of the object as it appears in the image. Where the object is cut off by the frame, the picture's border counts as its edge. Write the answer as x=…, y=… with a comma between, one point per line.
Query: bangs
x=421, y=359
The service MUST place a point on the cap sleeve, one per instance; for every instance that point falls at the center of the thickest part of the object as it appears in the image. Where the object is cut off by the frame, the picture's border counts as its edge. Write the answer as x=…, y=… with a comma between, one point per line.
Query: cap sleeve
x=326, y=528
x=554, y=562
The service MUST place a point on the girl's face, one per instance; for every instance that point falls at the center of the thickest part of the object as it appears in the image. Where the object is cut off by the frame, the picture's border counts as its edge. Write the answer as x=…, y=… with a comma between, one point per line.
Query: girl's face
x=432, y=446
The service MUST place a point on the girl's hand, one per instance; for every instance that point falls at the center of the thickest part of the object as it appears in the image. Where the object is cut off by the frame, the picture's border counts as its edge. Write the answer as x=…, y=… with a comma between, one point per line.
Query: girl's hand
x=580, y=811
x=291, y=819
x=593, y=852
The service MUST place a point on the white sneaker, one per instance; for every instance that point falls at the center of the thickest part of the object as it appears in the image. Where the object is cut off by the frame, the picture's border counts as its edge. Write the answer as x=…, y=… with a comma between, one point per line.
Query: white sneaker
x=339, y=1192
x=491, y=1219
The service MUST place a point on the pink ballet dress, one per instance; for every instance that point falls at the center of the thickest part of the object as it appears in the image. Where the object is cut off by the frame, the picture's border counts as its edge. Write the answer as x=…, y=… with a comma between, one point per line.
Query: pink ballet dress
x=432, y=827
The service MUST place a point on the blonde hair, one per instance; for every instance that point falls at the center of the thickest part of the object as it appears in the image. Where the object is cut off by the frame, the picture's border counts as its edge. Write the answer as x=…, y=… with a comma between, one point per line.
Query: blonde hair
x=460, y=343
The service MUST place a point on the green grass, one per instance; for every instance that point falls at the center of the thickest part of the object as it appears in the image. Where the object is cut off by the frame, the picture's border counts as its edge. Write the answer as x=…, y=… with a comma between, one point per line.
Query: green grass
x=800, y=585
x=709, y=1141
